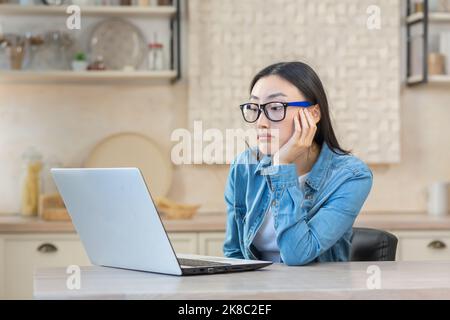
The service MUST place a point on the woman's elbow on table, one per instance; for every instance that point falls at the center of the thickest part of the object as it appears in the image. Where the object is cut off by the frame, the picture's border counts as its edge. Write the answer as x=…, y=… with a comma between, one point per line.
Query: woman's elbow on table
x=291, y=257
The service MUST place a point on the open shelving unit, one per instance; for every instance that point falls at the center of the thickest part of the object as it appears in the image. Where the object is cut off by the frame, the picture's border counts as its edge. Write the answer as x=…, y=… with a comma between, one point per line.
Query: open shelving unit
x=87, y=76
x=150, y=11
x=432, y=17
x=424, y=19
x=170, y=12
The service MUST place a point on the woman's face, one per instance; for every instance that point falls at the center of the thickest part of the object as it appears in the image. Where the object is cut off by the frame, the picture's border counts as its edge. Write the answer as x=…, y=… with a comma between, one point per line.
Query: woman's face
x=273, y=135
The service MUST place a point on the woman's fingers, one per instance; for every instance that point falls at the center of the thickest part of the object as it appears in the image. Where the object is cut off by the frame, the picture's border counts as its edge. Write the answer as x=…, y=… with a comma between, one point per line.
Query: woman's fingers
x=303, y=119
x=305, y=125
x=312, y=124
x=297, y=127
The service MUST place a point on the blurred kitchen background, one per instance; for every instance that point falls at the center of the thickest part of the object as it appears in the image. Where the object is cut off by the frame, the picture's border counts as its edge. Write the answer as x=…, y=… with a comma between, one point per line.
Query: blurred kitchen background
x=118, y=85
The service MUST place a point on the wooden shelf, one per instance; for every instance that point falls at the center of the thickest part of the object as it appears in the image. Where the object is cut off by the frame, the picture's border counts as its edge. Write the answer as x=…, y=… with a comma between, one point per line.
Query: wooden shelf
x=88, y=77
x=431, y=79
x=432, y=16
x=92, y=76
x=150, y=11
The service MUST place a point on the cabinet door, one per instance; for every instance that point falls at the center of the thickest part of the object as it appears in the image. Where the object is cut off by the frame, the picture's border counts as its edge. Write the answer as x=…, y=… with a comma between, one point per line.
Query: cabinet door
x=211, y=243
x=24, y=253
x=184, y=242
x=424, y=245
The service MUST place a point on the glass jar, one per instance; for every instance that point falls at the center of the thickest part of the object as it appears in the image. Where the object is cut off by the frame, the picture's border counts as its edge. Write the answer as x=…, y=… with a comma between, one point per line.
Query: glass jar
x=4, y=55
x=156, y=56
x=33, y=44
x=54, y=54
x=15, y=50
x=47, y=183
x=31, y=181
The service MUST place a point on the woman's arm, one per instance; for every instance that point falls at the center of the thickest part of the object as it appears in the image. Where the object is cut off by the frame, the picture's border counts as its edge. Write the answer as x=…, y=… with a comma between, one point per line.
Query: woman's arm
x=300, y=241
x=231, y=247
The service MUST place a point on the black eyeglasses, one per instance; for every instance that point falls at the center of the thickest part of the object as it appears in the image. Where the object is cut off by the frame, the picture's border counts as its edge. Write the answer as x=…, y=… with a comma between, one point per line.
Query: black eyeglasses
x=274, y=111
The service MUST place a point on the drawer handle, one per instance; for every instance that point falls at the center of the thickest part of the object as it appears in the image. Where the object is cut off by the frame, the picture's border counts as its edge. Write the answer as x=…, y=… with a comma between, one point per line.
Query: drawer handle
x=437, y=244
x=47, y=248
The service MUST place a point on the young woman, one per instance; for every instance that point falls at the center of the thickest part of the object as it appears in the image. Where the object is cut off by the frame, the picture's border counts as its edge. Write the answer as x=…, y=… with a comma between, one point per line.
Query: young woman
x=292, y=199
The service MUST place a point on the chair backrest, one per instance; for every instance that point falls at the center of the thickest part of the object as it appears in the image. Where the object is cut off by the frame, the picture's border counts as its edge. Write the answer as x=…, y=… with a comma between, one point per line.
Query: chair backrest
x=373, y=245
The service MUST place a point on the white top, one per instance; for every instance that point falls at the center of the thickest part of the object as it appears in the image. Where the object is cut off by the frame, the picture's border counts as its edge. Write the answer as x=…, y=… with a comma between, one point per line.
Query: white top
x=266, y=238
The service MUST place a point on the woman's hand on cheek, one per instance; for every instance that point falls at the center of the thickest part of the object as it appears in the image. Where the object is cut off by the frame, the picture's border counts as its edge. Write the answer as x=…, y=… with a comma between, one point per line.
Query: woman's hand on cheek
x=300, y=141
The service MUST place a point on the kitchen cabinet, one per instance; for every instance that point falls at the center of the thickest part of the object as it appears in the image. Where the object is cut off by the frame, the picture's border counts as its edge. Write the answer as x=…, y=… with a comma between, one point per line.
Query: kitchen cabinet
x=21, y=254
x=184, y=242
x=203, y=243
x=211, y=243
x=423, y=245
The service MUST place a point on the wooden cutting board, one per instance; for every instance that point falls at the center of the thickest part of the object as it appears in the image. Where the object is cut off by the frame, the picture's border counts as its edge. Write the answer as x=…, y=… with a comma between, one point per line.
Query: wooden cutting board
x=51, y=208
x=131, y=149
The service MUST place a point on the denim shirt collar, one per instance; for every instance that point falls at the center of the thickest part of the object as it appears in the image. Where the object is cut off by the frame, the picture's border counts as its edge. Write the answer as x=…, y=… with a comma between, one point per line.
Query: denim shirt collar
x=265, y=161
x=318, y=171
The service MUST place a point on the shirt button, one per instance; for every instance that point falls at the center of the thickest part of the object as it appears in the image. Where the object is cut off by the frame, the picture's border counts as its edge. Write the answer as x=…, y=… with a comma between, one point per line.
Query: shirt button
x=274, y=202
x=308, y=197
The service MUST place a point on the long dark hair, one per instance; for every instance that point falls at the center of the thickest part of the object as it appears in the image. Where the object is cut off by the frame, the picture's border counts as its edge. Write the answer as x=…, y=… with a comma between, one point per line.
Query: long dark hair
x=307, y=81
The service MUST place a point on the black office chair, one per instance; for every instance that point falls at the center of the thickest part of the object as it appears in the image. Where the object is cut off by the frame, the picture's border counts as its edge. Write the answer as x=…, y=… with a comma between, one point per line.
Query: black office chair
x=373, y=245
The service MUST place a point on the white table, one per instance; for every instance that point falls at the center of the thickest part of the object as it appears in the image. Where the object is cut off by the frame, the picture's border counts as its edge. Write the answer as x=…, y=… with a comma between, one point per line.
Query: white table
x=399, y=280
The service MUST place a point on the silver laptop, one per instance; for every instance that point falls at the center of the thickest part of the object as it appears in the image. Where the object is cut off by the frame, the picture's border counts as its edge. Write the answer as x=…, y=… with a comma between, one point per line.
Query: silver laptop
x=119, y=225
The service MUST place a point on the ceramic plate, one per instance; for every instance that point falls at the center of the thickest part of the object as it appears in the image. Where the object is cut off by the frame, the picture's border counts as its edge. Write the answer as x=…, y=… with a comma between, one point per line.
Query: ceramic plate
x=120, y=43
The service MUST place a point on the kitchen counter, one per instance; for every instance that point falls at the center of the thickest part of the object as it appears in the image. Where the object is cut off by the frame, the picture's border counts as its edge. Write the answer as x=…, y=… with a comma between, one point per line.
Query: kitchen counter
x=216, y=222
x=20, y=224
x=345, y=280
x=403, y=221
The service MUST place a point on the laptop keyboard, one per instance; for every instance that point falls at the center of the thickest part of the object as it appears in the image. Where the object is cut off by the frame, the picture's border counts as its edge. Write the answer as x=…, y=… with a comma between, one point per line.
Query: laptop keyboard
x=200, y=263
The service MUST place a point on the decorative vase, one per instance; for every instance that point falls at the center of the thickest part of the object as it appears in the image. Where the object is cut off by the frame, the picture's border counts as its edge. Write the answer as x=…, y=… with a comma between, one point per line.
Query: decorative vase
x=79, y=65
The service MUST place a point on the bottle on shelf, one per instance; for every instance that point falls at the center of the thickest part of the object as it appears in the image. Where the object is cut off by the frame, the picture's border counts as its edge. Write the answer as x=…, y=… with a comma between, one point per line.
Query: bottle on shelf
x=156, y=59
x=155, y=56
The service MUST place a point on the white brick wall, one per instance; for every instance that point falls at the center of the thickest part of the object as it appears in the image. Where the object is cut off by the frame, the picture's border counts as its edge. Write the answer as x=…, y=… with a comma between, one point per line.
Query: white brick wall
x=231, y=40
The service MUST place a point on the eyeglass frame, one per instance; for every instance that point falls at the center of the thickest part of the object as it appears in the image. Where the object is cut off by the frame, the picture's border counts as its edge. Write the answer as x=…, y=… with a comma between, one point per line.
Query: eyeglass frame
x=262, y=107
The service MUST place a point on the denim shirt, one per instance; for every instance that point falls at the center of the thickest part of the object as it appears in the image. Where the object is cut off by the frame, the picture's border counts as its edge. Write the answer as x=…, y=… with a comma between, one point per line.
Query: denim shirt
x=313, y=222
